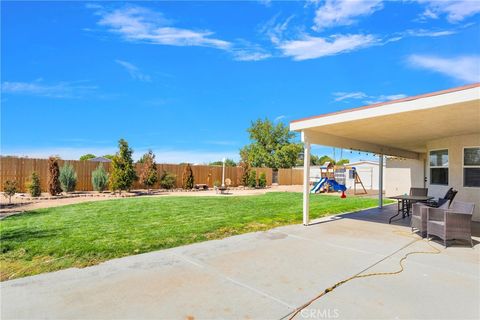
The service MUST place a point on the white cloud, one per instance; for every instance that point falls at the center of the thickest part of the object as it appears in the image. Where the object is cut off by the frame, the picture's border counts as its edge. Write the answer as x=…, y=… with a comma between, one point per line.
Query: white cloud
x=429, y=33
x=463, y=68
x=394, y=96
x=365, y=98
x=246, y=55
x=221, y=142
x=279, y=118
x=56, y=90
x=316, y=47
x=383, y=98
x=340, y=96
x=455, y=11
x=266, y=3
x=275, y=30
x=340, y=12
x=133, y=70
x=138, y=24
x=135, y=23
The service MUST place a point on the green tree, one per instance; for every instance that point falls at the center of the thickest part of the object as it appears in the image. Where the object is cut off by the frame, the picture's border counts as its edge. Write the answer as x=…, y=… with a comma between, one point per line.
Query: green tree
x=148, y=171
x=228, y=163
x=271, y=146
x=100, y=179
x=324, y=159
x=68, y=178
x=342, y=162
x=9, y=189
x=287, y=155
x=87, y=157
x=314, y=160
x=34, y=185
x=109, y=156
x=53, y=176
x=167, y=180
x=188, y=180
x=123, y=170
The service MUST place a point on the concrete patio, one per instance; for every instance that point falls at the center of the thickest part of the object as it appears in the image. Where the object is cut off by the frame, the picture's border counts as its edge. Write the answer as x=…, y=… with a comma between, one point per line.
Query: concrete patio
x=266, y=275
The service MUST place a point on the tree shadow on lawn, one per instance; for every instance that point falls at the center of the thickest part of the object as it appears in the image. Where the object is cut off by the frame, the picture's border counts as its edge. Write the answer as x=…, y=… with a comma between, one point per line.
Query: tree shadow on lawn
x=22, y=235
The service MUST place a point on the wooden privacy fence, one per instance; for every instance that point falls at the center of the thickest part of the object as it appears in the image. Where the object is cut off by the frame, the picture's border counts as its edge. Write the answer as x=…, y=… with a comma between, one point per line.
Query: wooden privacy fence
x=20, y=170
x=290, y=176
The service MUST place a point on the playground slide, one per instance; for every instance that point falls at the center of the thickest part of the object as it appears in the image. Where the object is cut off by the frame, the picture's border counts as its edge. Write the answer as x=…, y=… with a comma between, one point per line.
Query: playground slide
x=318, y=185
x=336, y=186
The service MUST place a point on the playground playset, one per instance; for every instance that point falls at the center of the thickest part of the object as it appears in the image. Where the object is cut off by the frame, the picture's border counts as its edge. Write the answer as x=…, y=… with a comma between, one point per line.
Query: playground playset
x=333, y=178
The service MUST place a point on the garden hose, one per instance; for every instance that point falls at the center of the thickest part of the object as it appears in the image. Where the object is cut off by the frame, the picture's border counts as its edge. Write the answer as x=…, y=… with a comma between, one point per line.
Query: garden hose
x=361, y=274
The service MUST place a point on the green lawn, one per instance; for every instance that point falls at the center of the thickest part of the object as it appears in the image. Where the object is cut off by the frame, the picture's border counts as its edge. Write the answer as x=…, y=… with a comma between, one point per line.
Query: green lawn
x=88, y=233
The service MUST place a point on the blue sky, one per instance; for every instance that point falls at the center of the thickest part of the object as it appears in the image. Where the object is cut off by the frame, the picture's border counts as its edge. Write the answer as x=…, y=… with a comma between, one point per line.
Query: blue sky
x=186, y=78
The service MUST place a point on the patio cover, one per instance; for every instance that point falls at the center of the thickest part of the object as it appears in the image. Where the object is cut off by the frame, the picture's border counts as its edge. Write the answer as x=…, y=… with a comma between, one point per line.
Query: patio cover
x=398, y=128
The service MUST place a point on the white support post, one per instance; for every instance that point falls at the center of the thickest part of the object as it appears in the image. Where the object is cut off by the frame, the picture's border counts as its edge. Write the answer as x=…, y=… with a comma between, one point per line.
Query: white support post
x=306, y=182
x=380, y=181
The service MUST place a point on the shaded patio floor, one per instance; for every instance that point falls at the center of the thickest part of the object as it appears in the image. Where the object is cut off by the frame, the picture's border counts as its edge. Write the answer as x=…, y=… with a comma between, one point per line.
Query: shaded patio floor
x=266, y=275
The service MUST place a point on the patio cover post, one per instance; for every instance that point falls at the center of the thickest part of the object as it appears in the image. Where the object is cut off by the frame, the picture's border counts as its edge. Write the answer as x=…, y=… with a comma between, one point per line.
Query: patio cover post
x=306, y=181
x=380, y=181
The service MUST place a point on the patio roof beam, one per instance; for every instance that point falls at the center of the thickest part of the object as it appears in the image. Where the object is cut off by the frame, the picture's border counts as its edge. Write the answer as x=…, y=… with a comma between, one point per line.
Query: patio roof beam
x=325, y=139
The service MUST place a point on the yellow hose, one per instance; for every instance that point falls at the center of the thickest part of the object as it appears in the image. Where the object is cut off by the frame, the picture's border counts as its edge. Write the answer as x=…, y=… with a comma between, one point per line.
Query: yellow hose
x=362, y=275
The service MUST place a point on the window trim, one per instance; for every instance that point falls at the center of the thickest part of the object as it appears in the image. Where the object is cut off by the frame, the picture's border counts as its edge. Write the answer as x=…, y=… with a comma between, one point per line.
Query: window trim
x=437, y=167
x=468, y=166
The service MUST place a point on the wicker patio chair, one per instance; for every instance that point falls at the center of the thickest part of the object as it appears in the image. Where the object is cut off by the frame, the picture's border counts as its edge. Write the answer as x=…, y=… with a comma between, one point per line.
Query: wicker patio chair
x=419, y=216
x=419, y=191
x=449, y=196
x=452, y=223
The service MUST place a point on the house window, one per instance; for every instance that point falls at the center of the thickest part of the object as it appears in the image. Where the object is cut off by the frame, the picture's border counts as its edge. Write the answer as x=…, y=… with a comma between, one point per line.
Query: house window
x=439, y=167
x=471, y=167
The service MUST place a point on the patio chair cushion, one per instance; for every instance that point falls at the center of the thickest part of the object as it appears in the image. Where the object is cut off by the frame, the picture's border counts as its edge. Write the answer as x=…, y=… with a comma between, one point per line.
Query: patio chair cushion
x=441, y=202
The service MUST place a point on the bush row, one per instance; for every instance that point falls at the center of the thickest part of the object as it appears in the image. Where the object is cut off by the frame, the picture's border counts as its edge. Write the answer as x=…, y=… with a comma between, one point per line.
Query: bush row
x=121, y=177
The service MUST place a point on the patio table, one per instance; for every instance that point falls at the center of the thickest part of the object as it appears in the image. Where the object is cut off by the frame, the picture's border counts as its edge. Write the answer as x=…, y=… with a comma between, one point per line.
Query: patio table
x=404, y=203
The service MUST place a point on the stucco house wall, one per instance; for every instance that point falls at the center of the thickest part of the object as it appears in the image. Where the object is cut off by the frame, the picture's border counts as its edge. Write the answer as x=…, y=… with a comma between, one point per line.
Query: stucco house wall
x=402, y=174
x=455, y=147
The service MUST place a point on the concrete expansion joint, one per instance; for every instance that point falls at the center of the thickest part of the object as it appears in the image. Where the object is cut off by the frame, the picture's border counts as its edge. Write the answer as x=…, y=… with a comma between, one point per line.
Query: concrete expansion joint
x=216, y=273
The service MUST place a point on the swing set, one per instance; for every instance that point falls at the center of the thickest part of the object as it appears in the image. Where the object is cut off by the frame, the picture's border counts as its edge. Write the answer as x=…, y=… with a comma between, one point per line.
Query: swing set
x=335, y=179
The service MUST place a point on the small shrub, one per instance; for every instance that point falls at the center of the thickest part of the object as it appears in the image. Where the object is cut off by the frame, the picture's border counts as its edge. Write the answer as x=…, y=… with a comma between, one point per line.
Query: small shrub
x=262, y=180
x=217, y=183
x=252, y=179
x=148, y=171
x=68, y=178
x=123, y=172
x=167, y=180
x=99, y=179
x=9, y=189
x=246, y=172
x=34, y=185
x=187, y=178
x=53, y=176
